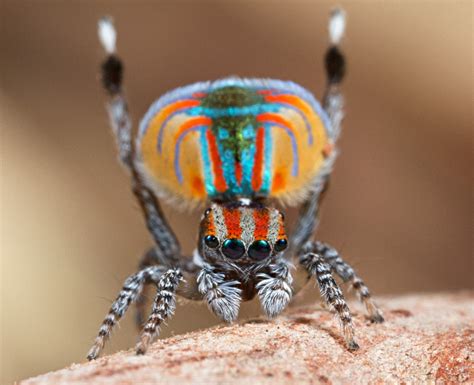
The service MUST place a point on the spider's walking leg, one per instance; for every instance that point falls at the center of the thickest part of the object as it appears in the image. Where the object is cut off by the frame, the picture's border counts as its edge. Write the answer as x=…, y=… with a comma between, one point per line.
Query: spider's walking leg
x=347, y=274
x=330, y=291
x=274, y=288
x=167, y=246
x=163, y=307
x=129, y=293
x=223, y=296
x=333, y=103
x=150, y=258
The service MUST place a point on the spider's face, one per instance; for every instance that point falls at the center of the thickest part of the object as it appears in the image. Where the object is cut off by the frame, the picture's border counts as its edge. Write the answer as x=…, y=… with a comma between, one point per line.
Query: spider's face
x=242, y=233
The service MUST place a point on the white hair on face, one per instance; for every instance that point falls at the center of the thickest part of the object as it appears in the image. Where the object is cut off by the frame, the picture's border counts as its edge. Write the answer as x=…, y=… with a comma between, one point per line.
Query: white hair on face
x=337, y=25
x=107, y=34
x=273, y=226
x=219, y=222
x=247, y=223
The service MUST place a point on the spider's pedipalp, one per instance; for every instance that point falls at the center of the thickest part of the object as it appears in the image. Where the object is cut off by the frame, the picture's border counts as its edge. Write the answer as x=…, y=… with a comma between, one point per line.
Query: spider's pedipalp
x=274, y=288
x=223, y=296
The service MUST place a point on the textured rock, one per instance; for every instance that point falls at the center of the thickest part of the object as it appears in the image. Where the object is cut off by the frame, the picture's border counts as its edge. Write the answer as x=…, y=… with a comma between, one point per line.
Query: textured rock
x=426, y=338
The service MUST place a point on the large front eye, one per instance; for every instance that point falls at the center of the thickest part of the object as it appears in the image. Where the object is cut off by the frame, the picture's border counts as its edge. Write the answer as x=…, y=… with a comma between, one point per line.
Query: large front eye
x=211, y=241
x=233, y=248
x=259, y=250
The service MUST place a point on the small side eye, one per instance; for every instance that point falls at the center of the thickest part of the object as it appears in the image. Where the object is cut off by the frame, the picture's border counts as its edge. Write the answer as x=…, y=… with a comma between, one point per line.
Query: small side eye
x=259, y=250
x=233, y=248
x=211, y=241
x=281, y=244
x=207, y=212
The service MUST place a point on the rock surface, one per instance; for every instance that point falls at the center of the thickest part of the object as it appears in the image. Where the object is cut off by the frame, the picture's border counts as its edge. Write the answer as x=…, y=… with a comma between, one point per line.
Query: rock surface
x=426, y=338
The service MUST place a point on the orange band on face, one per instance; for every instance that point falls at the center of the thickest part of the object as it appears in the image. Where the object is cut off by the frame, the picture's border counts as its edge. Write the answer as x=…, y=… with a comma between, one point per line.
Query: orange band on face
x=281, y=230
x=262, y=219
x=232, y=223
x=210, y=226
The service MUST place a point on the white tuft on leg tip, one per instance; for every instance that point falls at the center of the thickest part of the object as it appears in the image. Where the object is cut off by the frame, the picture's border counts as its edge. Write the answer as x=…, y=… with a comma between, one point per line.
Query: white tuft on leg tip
x=107, y=34
x=337, y=25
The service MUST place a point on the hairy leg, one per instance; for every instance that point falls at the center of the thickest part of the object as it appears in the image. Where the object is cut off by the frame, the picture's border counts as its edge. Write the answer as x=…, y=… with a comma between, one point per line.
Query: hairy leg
x=223, y=297
x=347, y=274
x=332, y=294
x=163, y=307
x=129, y=293
x=150, y=258
x=167, y=246
x=274, y=288
x=333, y=104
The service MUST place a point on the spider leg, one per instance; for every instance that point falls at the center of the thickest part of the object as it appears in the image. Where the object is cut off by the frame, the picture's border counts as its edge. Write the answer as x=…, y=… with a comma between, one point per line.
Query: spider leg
x=275, y=288
x=335, y=63
x=150, y=258
x=188, y=290
x=223, y=296
x=347, y=274
x=163, y=307
x=167, y=246
x=129, y=293
x=333, y=104
x=332, y=294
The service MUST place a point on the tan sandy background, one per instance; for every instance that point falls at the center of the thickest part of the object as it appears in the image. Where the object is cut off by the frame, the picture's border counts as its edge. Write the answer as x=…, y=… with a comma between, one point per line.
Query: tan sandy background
x=400, y=202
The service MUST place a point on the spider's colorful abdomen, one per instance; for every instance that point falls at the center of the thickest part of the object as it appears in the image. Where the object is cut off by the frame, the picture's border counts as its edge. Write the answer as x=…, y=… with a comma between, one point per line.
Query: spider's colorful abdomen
x=234, y=138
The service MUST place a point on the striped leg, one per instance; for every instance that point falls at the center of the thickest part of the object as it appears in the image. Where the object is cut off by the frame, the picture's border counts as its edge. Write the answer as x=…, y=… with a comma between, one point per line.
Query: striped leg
x=333, y=101
x=333, y=104
x=274, y=288
x=129, y=293
x=150, y=258
x=330, y=291
x=223, y=297
x=347, y=274
x=166, y=243
x=163, y=307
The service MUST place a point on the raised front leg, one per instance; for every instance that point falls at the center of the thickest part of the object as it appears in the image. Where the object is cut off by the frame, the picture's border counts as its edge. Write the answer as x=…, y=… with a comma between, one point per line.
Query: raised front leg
x=333, y=104
x=274, y=288
x=347, y=274
x=167, y=246
x=332, y=294
x=131, y=290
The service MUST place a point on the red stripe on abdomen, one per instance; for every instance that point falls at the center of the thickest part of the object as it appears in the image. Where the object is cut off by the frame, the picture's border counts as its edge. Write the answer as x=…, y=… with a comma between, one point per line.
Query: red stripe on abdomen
x=219, y=180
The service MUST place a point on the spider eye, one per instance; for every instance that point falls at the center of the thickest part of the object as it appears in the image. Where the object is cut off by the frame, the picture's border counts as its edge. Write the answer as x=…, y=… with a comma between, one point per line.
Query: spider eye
x=281, y=244
x=259, y=250
x=211, y=241
x=233, y=248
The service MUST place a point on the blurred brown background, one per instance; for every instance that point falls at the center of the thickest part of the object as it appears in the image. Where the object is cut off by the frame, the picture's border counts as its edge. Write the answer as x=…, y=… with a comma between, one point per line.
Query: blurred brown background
x=400, y=202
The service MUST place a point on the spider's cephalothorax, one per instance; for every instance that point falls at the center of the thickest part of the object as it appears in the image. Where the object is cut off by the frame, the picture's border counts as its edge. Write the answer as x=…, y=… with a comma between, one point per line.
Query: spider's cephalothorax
x=235, y=145
x=241, y=233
